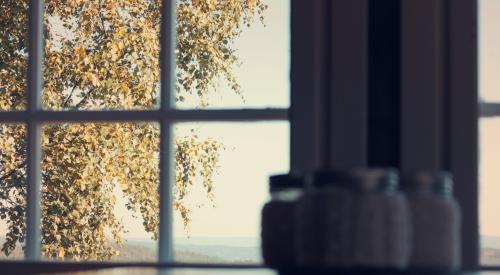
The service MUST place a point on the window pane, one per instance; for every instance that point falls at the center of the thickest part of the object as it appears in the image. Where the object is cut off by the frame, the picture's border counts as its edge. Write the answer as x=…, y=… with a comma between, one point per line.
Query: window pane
x=227, y=64
x=490, y=190
x=221, y=184
x=489, y=50
x=12, y=190
x=13, y=54
x=100, y=191
x=102, y=55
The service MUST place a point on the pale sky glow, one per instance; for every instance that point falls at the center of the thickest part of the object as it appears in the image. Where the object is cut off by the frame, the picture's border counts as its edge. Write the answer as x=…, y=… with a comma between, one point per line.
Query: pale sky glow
x=489, y=171
x=489, y=49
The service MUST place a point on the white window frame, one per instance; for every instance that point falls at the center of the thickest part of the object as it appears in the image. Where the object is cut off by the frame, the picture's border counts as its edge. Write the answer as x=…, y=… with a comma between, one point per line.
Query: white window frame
x=34, y=117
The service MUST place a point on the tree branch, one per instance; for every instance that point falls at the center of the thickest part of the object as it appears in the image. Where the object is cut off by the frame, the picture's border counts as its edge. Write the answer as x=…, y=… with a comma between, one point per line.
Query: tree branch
x=84, y=99
x=66, y=101
x=102, y=21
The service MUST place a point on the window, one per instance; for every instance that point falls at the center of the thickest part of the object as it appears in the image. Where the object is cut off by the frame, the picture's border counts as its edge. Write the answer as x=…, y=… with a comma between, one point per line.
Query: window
x=489, y=131
x=153, y=112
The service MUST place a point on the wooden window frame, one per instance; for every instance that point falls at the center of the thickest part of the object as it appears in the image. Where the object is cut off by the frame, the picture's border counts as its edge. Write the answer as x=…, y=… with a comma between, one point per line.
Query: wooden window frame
x=440, y=107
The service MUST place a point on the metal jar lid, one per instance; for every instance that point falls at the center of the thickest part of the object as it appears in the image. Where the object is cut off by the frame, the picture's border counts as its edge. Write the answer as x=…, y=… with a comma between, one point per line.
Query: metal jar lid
x=285, y=181
x=438, y=183
x=375, y=179
x=327, y=178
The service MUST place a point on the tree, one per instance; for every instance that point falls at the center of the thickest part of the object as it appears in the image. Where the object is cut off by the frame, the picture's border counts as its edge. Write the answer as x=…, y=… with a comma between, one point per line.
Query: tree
x=109, y=59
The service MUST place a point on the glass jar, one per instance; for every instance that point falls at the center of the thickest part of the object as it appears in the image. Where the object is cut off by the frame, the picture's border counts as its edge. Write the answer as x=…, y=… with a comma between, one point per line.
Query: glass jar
x=380, y=220
x=278, y=221
x=436, y=221
x=323, y=227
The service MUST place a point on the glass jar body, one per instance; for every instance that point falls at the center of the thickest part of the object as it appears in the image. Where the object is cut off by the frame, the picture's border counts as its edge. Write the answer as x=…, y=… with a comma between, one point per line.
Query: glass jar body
x=323, y=227
x=381, y=230
x=278, y=228
x=339, y=227
x=436, y=232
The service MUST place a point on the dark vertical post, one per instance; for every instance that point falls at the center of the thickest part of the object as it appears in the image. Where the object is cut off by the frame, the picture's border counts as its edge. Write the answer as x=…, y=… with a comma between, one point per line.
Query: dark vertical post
x=422, y=86
x=463, y=124
x=384, y=83
x=348, y=84
x=308, y=132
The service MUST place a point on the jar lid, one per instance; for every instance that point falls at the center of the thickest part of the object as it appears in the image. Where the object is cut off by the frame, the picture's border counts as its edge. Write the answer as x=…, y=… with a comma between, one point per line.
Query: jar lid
x=440, y=183
x=375, y=179
x=323, y=178
x=285, y=181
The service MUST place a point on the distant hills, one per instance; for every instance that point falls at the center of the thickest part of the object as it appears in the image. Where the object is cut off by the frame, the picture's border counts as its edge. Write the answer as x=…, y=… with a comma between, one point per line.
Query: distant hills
x=231, y=250
x=490, y=250
x=490, y=241
x=211, y=250
x=192, y=250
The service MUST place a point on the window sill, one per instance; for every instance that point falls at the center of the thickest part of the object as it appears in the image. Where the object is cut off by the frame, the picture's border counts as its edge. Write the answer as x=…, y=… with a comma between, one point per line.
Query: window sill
x=23, y=267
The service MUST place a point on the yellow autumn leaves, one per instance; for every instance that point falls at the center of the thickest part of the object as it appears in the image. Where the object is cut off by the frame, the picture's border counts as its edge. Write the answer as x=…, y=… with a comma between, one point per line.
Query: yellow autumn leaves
x=205, y=51
x=110, y=61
